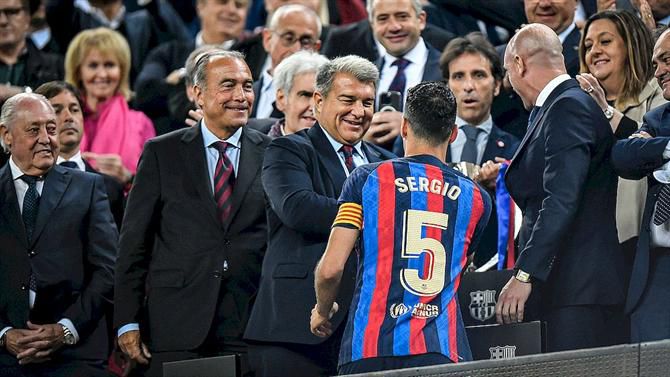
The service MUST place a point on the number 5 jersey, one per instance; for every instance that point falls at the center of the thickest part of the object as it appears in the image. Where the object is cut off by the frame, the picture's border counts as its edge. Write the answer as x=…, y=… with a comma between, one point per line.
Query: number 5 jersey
x=419, y=222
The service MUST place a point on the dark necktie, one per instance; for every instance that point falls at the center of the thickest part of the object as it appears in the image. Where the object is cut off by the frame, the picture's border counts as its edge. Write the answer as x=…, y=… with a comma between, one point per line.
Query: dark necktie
x=662, y=213
x=69, y=164
x=533, y=115
x=348, y=152
x=400, y=80
x=224, y=179
x=31, y=204
x=469, y=153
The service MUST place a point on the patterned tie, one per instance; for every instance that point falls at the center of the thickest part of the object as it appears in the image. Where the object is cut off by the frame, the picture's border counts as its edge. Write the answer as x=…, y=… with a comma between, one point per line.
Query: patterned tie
x=224, y=179
x=662, y=213
x=69, y=164
x=348, y=152
x=469, y=153
x=31, y=204
x=400, y=80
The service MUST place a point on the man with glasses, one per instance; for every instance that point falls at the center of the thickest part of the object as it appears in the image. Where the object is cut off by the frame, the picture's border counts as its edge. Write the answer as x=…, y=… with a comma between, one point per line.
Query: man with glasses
x=292, y=28
x=22, y=65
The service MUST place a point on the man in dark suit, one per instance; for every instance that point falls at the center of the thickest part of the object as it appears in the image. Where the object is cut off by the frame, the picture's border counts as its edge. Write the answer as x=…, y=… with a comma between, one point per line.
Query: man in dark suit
x=562, y=179
x=303, y=174
x=508, y=110
x=646, y=154
x=70, y=128
x=407, y=60
x=292, y=28
x=59, y=246
x=195, y=229
x=474, y=72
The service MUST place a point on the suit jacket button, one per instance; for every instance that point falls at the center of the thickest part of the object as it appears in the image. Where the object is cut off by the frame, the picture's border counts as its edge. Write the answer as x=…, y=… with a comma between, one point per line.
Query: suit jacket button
x=217, y=274
x=226, y=242
x=32, y=253
x=24, y=287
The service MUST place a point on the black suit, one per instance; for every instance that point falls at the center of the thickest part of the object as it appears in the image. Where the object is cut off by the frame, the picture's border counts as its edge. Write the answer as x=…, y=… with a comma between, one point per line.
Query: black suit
x=647, y=294
x=72, y=256
x=257, y=87
x=303, y=178
x=357, y=39
x=115, y=194
x=506, y=13
x=181, y=274
x=499, y=144
x=562, y=179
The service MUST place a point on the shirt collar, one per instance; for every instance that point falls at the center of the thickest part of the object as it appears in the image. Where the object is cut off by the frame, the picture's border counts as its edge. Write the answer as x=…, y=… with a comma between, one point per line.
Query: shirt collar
x=225, y=45
x=551, y=85
x=114, y=23
x=76, y=159
x=209, y=138
x=16, y=171
x=665, y=21
x=267, y=81
x=416, y=55
x=358, y=147
x=485, y=126
x=564, y=34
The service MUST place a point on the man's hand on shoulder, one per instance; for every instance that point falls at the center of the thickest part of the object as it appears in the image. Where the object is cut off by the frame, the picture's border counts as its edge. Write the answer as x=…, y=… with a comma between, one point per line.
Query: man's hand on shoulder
x=131, y=345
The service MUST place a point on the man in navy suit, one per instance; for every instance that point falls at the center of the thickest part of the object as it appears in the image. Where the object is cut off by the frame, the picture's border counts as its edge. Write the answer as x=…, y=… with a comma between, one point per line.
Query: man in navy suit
x=474, y=72
x=407, y=61
x=70, y=127
x=303, y=174
x=562, y=179
x=59, y=246
x=646, y=153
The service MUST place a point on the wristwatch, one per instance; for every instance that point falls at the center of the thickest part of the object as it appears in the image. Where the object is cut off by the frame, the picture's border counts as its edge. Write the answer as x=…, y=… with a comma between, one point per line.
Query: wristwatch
x=68, y=337
x=522, y=276
x=2, y=340
x=609, y=112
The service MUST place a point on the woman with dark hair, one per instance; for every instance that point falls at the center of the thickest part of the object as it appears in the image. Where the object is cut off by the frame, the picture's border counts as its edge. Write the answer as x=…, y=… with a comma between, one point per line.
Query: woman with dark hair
x=615, y=58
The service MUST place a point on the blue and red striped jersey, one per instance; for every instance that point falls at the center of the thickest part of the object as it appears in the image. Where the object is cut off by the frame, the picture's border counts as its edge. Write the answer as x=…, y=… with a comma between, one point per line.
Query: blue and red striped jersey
x=419, y=221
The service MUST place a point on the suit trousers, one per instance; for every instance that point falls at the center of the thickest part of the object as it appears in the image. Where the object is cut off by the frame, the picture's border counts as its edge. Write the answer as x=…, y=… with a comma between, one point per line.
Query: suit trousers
x=585, y=326
x=650, y=320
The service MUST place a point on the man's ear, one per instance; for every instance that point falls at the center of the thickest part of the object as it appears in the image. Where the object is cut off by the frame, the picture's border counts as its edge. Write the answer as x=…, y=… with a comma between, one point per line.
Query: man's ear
x=520, y=65
x=404, y=128
x=6, y=136
x=454, y=133
x=281, y=100
x=318, y=102
x=197, y=94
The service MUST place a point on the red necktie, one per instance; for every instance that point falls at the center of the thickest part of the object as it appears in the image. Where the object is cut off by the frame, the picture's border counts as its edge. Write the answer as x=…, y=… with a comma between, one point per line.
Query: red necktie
x=224, y=179
x=348, y=152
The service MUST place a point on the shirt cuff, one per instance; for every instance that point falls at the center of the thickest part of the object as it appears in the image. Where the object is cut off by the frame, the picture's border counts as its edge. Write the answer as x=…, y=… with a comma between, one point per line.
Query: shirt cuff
x=666, y=152
x=67, y=323
x=129, y=327
x=3, y=331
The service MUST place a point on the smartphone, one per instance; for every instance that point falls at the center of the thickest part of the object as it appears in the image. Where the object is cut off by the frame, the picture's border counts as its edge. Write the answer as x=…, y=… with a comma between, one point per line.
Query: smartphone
x=389, y=101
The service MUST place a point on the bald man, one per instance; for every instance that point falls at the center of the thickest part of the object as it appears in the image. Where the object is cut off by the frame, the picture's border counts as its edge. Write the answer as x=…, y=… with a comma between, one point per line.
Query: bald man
x=562, y=179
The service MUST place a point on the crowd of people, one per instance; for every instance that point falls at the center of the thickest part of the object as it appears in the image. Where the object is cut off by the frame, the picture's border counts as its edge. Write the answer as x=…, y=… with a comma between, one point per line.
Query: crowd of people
x=276, y=180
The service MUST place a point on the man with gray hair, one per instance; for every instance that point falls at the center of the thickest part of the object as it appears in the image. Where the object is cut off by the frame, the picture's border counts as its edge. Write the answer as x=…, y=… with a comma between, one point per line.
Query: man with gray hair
x=303, y=174
x=292, y=28
x=562, y=179
x=295, y=78
x=59, y=245
x=195, y=228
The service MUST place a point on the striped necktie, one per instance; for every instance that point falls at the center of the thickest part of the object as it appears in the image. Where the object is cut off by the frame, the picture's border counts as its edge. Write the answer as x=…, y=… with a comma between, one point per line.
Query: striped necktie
x=348, y=152
x=224, y=179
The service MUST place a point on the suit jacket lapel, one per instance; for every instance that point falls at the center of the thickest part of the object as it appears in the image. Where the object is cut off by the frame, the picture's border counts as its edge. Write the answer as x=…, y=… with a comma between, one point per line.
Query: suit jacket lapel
x=431, y=71
x=493, y=146
x=55, y=184
x=371, y=154
x=251, y=160
x=193, y=152
x=9, y=205
x=327, y=156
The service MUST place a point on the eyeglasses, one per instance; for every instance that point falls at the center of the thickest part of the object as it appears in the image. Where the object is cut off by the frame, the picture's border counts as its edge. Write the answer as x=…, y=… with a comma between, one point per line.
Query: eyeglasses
x=11, y=12
x=288, y=39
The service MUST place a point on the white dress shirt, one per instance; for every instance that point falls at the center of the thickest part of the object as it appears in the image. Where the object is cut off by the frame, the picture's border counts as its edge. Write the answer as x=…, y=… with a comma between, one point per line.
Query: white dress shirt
x=267, y=96
x=358, y=155
x=76, y=159
x=417, y=56
x=456, y=148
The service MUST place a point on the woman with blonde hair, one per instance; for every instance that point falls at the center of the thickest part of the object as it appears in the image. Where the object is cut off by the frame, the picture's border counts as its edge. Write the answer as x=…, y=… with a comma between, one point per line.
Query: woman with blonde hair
x=615, y=58
x=97, y=62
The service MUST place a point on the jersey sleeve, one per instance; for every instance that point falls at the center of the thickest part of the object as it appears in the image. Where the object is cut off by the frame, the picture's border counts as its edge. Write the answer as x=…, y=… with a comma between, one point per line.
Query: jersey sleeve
x=483, y=219
x=350, y=213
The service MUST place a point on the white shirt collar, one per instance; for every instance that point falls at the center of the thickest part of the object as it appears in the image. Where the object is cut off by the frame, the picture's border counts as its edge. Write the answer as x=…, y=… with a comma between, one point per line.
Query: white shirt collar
x=76, y=159
x=337, y=145
x=267, y=81
x=416, y=55
x=16, y=171
x=485, y=126
x=225, y=45
x=564, y=34
x=114, y=23
x=209, y=138
x=551, y=85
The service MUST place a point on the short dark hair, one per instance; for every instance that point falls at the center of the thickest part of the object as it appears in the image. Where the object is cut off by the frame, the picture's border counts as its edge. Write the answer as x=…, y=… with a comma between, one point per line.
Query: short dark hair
x=53, y=88
x=473, y=43
x=431, y=111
